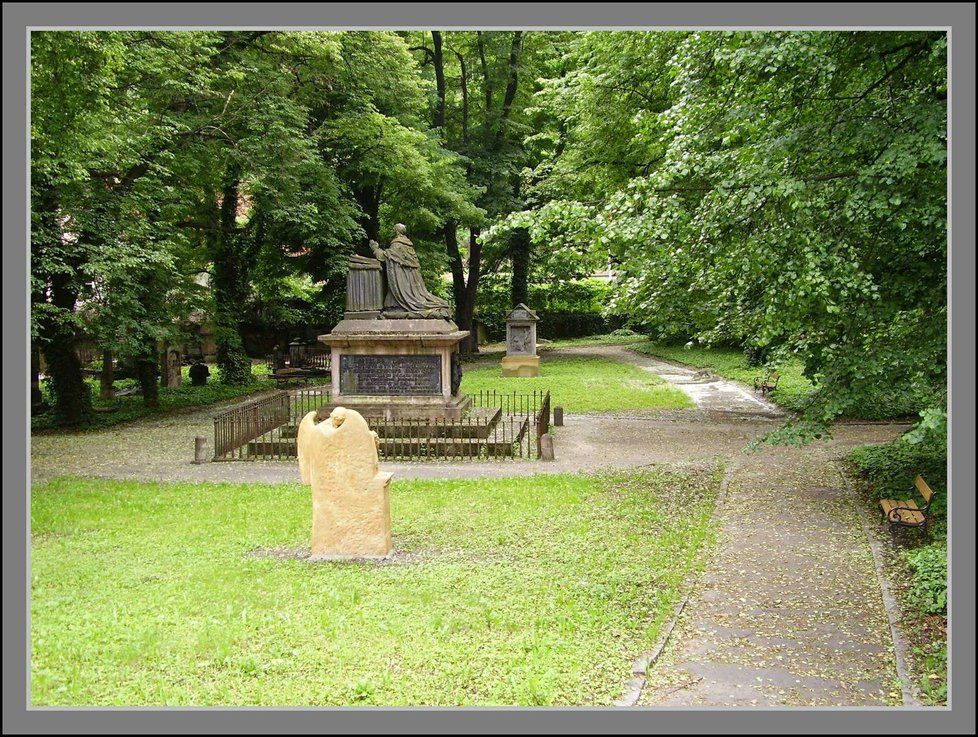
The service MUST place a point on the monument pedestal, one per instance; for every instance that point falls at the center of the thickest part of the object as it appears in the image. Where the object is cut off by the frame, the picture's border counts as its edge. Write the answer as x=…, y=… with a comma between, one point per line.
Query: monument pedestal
x=394, y=369
x=525, y=367
x=521, y=359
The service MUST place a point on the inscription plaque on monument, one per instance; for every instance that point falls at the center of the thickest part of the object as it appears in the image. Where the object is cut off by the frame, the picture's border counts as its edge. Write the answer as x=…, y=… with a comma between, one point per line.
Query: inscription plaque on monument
x=390, y=374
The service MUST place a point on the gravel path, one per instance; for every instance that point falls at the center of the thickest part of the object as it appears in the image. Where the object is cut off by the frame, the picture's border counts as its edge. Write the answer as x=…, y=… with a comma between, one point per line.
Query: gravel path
x=789, y=612
x=727, y=417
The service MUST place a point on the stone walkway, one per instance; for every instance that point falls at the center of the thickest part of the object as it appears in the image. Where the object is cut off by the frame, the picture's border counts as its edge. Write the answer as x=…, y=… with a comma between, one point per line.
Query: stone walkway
x=789, y=612
x=710, y=393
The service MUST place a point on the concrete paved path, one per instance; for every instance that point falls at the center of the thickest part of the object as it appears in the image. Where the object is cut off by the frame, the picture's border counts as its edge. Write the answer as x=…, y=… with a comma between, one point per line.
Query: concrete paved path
x=789, y=611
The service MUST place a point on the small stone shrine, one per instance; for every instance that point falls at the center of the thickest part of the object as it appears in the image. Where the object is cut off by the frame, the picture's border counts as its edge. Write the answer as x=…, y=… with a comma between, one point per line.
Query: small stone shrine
x=521, y=357
x=395, y=353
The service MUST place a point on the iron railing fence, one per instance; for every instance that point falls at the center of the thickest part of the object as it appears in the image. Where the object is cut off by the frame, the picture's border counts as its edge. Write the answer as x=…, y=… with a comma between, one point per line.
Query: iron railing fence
x=511, y=403
x=238, y=426
x=499, y=426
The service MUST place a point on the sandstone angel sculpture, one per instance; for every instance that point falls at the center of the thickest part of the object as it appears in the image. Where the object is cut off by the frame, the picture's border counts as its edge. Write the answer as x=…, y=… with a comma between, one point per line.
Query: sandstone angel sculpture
x=350, y=498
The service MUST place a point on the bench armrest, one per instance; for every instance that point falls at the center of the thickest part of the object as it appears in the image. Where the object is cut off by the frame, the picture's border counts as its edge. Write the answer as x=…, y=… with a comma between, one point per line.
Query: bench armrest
x=894, y=516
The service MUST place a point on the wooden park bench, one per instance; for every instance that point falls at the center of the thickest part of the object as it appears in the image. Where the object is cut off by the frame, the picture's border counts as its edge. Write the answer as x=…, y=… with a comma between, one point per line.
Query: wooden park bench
x=767, y=383
x=905, y=512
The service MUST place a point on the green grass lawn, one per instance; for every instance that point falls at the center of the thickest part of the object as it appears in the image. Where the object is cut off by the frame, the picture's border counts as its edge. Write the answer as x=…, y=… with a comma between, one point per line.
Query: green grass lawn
x=583, y=384
x=126, y=409
x=538, y=590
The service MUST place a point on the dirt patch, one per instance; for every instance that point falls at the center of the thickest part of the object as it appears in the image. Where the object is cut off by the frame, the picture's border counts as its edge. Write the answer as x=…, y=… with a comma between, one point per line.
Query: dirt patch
x=303, y=554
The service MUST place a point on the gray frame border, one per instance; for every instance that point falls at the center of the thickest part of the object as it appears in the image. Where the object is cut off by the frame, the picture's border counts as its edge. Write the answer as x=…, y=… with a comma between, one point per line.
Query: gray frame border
x=958, y=17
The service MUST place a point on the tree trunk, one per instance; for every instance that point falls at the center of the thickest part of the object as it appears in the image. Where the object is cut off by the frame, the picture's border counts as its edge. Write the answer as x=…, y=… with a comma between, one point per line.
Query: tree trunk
x=73, y=399
x=464, y=290
x=107, y=377
x=511, y=85
x=439, y=64
x=519, y=249
x=368, y=198
x=56, y=327
x=146, y=372
x=230, y=289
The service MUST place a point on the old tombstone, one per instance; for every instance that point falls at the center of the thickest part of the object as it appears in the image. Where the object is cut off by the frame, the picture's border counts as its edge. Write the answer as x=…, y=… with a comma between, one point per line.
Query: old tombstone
x=558, y=416
x=350, y=496
x=521, y=357
x=546, y=447
x=199, y=373
x=395, y=353
x=297, y=353
x=172, y=367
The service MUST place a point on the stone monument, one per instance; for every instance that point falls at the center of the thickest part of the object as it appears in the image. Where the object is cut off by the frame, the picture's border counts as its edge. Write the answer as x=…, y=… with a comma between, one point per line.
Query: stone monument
x=171, y=364
x=351, y=515
x=395, y=353
x=199, y=373
x=521, y=357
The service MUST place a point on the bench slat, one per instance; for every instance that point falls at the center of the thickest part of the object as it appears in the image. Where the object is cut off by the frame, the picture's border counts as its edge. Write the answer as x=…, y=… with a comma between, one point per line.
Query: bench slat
x=923, y=488
x=910, y=516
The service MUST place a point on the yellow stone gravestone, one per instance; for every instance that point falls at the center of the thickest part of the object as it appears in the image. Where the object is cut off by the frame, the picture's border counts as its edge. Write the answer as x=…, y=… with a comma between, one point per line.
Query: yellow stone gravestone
x=351, y=515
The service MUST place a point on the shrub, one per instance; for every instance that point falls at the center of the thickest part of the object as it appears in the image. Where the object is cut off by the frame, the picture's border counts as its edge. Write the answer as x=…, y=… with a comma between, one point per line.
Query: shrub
x=567, y=308
x=891, y=467
x=929, y=587
x=624, y=333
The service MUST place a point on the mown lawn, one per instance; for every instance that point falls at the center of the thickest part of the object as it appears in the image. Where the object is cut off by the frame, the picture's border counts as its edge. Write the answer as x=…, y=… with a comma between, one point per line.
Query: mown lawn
x=538, y=590
x=583, y=384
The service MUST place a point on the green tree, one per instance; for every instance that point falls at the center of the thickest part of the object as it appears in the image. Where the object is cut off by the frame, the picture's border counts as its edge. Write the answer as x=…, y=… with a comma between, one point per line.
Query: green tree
x=782, y=190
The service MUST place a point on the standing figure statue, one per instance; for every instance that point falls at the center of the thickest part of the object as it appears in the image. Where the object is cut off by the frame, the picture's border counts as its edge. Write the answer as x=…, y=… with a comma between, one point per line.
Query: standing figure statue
x=406, y=294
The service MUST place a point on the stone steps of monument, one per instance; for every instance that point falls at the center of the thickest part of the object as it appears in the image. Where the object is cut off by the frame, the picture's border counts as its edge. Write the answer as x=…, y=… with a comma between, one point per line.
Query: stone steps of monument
x=435, y=448
x=441, y=448
x=480, y=422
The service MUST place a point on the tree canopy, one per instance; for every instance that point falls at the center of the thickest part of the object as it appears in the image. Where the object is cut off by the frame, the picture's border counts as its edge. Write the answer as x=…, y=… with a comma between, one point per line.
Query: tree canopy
x=784, y=192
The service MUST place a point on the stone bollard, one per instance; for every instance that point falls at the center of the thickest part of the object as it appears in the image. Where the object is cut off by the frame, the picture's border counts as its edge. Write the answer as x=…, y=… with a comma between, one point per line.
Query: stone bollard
x=558, y=416
x=546, y=447
x=351, y=515
x=200, y=450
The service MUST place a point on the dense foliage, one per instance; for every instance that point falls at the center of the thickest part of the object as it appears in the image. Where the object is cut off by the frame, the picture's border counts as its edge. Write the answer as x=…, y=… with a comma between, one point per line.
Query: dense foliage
x=567, y=309
x=929, y=565
x=781, y=191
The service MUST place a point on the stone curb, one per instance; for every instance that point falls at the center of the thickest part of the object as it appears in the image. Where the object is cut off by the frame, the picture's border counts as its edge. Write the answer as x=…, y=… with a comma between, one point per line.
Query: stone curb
x=911, y=696
x=643, y=663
